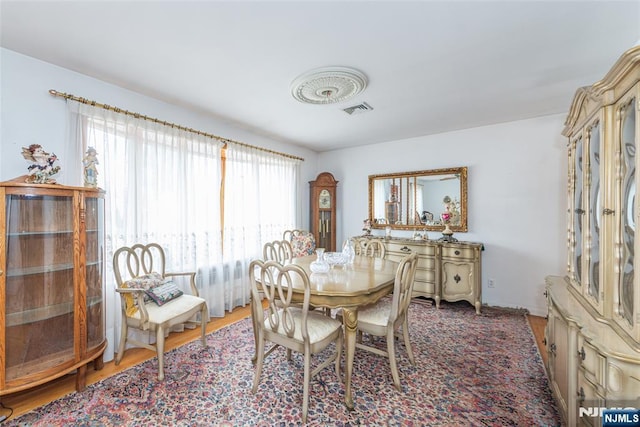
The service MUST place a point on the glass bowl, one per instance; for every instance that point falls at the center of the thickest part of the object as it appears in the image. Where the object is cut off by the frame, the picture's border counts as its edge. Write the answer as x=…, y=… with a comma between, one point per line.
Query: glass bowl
x=334, y=258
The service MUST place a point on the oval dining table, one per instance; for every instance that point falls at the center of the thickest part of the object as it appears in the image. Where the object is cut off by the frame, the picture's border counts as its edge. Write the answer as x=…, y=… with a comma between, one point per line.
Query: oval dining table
x=349, y=287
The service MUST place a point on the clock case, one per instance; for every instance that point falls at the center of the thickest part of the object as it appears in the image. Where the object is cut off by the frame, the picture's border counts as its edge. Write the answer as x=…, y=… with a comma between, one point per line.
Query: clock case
x=323, y=217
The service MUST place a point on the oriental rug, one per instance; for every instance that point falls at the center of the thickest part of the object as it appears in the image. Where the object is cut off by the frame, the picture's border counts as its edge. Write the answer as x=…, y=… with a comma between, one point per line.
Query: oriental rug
x=471, y=370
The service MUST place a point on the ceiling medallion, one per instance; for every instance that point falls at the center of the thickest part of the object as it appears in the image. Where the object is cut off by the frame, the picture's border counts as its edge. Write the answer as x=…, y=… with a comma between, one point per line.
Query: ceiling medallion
x=328, y=85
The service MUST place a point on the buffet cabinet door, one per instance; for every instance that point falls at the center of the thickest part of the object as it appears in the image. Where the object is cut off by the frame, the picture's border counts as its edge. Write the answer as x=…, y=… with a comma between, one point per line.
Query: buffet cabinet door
x=558, y=339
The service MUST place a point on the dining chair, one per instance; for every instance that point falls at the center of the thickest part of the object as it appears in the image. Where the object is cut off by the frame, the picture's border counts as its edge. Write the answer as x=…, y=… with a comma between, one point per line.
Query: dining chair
x=386, y=317
x=278, y=250
x=373, y=248
x=151, y=300
x=302, y=242
x=290, y=325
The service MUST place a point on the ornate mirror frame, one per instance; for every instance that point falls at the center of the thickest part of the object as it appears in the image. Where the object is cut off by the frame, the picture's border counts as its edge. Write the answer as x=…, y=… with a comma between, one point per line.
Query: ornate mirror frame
x=416, y=200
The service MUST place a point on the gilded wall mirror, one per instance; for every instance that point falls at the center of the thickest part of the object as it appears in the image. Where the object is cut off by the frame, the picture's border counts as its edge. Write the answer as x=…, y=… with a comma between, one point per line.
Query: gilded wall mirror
x=419, y=200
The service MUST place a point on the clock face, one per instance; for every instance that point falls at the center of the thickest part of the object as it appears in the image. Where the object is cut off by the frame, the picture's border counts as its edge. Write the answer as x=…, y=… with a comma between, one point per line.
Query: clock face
x=324, y=200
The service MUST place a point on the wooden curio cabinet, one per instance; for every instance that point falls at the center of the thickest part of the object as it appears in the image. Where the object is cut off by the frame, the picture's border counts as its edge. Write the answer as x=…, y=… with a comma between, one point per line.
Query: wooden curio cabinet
x=323, y=211
x=52, y=268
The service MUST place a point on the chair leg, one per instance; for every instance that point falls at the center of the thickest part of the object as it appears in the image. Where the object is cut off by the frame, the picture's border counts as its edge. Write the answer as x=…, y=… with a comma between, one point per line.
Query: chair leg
x=160, y=352
x=307, y=380
x=391, y=353
x=123, y=340
x=407, y=343
x=203, y=323
x=255, y=332
x=259, y=360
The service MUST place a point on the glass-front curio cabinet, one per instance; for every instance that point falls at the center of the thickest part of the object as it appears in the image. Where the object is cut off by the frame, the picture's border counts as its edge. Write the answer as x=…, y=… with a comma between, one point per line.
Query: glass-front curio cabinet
x=593, y=328
x=51, y=283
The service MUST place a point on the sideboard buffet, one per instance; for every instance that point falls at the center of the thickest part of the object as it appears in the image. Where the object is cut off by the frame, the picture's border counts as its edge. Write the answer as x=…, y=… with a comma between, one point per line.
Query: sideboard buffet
x=449, y=271
x=52, y=270
x=593, y=329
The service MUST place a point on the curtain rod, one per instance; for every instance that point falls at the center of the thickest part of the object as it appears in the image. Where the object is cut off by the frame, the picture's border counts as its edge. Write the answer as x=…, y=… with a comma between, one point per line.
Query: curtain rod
x=162, y=122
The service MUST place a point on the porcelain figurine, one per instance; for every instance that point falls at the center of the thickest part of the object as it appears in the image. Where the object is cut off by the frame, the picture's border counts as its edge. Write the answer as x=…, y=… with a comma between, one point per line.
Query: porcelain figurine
x=90, y=170
x=43, y=166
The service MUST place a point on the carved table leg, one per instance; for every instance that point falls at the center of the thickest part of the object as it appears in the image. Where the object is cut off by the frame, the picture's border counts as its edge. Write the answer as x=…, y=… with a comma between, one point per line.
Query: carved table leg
x=350, y=321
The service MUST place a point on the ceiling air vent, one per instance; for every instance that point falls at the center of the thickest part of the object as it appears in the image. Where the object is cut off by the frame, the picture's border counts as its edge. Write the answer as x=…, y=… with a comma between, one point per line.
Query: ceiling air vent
x=358, y=109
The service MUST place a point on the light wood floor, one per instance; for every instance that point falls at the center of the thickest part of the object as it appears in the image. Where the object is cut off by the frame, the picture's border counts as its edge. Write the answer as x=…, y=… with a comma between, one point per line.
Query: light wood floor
x=27, y=400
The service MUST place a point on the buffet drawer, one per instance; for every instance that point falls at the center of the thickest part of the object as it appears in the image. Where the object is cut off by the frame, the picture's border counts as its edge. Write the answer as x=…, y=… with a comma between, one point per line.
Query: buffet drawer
x=406, y=248
x=458, y=252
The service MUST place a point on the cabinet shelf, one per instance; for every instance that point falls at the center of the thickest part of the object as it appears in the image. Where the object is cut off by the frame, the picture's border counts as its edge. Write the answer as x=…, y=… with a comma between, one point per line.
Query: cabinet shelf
x=41, y=269
x=37, y=233
x=43, y=313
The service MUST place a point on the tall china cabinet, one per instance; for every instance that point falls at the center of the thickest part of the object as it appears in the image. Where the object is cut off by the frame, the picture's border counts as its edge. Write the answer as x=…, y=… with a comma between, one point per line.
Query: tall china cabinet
x=593, y=328
x=52, y=269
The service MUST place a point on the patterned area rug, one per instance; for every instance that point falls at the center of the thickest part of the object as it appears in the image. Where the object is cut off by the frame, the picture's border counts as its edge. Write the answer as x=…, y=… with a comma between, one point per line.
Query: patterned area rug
x=471, y=370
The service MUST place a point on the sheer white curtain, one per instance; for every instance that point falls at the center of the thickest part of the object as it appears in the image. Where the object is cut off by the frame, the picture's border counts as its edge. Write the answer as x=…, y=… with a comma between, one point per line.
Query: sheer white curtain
x=380, y=187
x=162, y=185
x=260, y=199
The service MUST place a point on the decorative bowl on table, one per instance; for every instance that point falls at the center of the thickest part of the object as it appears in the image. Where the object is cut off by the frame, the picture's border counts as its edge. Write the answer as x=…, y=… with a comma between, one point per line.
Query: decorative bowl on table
x=334, y=258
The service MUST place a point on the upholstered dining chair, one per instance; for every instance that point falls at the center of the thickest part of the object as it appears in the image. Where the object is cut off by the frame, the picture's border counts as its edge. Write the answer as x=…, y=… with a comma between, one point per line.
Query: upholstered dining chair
x=373, y=248
x=302, y=242
x=289, y=325
x=151, y=300
x=389, y=315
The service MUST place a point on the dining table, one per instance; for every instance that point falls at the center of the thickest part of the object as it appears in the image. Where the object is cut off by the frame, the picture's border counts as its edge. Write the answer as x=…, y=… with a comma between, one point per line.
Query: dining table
x=349, y=287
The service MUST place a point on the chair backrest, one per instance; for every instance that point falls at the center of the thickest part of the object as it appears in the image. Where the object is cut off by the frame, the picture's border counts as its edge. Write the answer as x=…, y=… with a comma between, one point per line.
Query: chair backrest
x=138, y=260
x=278, y=250
x=403, y=289
x=374, y=248
x=290, y=234
x=302, y=242
x=275, y=282
x=358, y=246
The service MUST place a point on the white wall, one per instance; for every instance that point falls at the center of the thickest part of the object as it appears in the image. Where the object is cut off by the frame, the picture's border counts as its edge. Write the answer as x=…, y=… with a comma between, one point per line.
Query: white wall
x=517, y=170
x=516, y=189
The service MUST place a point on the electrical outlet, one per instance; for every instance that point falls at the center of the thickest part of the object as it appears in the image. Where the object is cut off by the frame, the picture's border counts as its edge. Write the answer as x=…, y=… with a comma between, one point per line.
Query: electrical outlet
x=491, y=283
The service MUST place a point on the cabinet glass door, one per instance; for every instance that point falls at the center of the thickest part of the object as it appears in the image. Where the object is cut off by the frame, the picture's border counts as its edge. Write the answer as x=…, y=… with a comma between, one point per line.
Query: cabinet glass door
x=578, y=212
x=95, y=270
x=595, y=211
x=39, y=298
x=625, y=299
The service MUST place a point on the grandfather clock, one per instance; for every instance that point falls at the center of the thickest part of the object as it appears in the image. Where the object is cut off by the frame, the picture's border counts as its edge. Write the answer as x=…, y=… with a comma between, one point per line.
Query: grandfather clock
x=323, y=211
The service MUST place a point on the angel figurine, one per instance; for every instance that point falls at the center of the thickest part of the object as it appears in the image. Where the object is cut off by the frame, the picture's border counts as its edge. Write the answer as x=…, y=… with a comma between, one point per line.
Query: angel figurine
x=42, y=168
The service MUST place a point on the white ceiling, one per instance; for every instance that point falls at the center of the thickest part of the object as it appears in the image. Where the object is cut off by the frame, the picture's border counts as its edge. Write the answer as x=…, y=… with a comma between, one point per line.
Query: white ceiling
x=432, y=66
